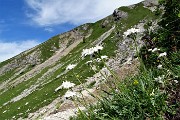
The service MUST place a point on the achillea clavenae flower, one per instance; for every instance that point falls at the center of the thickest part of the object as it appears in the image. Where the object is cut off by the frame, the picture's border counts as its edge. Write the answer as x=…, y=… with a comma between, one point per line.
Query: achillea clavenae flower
x=69, y=94
x=65, y=85
x=130, y=31
x=70, y=66
x=104, y=57
x=159, y=66
x=155, y=49
x=162, y=54
x=91, y=51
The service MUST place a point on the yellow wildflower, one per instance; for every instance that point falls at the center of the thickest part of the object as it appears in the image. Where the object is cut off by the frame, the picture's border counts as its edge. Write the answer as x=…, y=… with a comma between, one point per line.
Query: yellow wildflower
x=136, y=82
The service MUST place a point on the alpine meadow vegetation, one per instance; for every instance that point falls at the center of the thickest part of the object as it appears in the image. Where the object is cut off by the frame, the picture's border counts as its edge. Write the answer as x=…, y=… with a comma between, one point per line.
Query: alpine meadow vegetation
x=152, y=94
x=125, y=66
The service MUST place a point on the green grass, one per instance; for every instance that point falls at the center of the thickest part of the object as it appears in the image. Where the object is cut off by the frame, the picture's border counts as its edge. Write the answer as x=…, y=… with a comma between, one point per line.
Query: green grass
x=135, y=15
x=6, y=76
x=83, y=71
x=46, y=48
x=139, y=98
x=51, y=83
x=142, y=96
x=14, y=91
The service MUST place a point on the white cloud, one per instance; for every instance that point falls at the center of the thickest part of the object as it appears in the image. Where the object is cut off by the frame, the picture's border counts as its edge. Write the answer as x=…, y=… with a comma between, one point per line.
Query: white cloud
x=10, y=49
x=54, y=12
x=48, y=29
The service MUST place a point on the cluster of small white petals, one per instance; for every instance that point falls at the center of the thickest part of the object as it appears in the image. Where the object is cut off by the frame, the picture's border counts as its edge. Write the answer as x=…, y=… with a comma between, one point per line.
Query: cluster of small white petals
x=176, y=81
x=89, y=62
x=159, y=66
x=26, y=103
x=104, y=57
x=153, y=50
x=65, y=85
x=70, y=66
x=98, y=60
x=159, y=79
x=69, y=94
x=91, y=51
x=130, y=31
x=149, y=50
x=5, y=111
x=162, y=54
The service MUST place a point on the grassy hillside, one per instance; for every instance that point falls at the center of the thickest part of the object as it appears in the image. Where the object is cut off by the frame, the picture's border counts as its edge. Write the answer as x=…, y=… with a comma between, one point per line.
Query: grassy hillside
x=25, y=92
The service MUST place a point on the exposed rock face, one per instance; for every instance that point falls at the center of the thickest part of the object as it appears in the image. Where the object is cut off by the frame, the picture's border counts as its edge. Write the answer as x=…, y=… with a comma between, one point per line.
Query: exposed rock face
x=30, y=59
x=105, y=23
x=117, y=14
x=150, y=3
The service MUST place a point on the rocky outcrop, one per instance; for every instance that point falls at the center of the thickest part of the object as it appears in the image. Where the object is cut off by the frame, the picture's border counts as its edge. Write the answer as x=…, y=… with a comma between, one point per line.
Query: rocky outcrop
x=150, y=3
x=31, y=58
x=117, y=14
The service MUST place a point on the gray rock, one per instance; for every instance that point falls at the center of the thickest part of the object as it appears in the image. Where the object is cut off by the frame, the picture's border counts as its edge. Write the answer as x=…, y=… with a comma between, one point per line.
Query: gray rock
x=104, y=23
x=117, y=14
x=150, y=3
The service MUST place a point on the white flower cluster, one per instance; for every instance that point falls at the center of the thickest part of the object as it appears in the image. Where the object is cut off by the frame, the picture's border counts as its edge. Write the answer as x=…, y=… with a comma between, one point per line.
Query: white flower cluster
x=88, y=62
x=91, y=51
x=5, y=111
x=104, y=57
x=162, y=54
x=65, y=85
x=160, y=79
x=153, y=50
x=156, y=49
x=130, y=31
x=70, y=66
x=69, y=94
x=159, y=66
x=176, y=81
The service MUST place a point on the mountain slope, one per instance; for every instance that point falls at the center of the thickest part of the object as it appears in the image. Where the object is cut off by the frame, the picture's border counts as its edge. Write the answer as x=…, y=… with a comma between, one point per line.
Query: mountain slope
x=28, y=81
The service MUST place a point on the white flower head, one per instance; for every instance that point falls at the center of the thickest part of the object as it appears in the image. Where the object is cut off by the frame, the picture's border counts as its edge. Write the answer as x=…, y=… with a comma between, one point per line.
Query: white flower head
x=130, y=31
x=176, y=81
x=69, y=94
x=70, y=66
x=65, y=85
x=160, y=79
x=149, y=50
x=155, y=49
x=98, y=60
x=99, y=47
x=91, y=51
x=159, y=66
x=162, y=54
x=5, y=111
x=88, y=62
x=104, y=57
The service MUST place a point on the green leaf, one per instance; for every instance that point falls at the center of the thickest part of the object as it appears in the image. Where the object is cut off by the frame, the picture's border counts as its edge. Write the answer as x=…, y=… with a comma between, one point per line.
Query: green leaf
x=179, y=15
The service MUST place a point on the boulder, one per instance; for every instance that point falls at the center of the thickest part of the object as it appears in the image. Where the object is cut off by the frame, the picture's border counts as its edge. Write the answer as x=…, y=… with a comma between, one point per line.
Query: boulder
x=117, y=14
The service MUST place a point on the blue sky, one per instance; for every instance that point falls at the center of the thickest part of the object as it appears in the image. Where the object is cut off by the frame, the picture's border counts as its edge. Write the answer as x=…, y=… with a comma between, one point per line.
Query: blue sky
x=27, y=23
